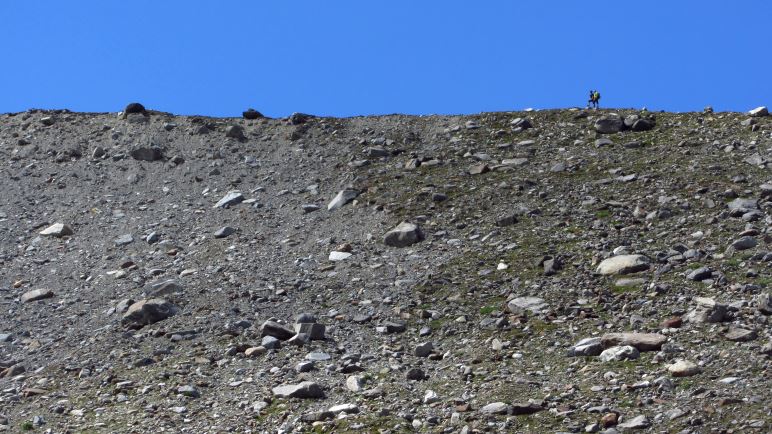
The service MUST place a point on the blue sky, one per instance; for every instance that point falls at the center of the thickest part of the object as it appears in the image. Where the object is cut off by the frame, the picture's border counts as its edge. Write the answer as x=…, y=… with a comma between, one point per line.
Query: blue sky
x=345, y=58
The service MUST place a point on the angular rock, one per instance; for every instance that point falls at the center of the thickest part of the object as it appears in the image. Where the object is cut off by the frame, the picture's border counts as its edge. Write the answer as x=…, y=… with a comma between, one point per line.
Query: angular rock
x=642, y=125
x=231, y=198
x=623, y=264
x=739, y=334
x=304, y=390
x=342, y=198
x=251, y=114
x=148, y=311
x=36, y=294
x=586, y=347
x=313, y=330
x=479, y=169
x=638, y=422
x=641, y=341
x=272, y=328
x=759, y=112
x=124, y=240
x=355, y=383
x=625, y=352
x=707, y=311
x=404, y=235
x=57, y=230
x=424, y=349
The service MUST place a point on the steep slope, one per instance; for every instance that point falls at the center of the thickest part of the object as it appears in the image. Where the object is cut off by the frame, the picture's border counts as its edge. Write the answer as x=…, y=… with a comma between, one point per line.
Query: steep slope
x=151, y=314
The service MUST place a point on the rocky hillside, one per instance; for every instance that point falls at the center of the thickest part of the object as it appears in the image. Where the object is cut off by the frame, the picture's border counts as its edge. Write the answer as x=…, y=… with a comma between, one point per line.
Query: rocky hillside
x=533, y=272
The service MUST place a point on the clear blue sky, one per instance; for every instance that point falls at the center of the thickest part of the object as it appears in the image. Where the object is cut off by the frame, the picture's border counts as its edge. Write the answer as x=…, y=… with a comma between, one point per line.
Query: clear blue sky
x=344, y=58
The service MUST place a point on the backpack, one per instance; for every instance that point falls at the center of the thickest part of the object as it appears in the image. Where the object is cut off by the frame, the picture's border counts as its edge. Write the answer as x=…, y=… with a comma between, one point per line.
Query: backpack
x=596, y=96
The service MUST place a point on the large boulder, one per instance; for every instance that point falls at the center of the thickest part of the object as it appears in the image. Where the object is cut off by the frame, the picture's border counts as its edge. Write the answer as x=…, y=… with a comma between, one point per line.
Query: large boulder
x=609, y=125
x=404, y=235
x=623, y=264
x=252, y=114
x=148, y=311
x=759, y=112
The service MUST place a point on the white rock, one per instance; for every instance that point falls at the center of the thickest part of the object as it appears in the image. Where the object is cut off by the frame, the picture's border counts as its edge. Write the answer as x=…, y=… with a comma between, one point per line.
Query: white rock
x=759, y=111
x=57, y=230
x=625, y=352
x=683, y=368
x=339, y=256
x=623, y=264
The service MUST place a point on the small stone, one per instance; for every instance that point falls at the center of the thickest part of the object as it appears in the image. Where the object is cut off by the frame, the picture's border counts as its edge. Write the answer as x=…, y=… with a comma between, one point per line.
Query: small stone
x=146, y=153
x=586, y=347
x=344, y=408
x=189, y=391
x=270, y=343
x=424, y=349
x=744, y=243
x=148, y=311
x=235, y=132
x=338, y=256
x=124, y=240
x=521, y=304
x=638, y=422
x=304, y=390
x=738, y=334
x=431, y=397
x=272, y=328
x=623, y=264
x=619, y=353
x=254, y=351
x=318, y=356
x=683, y=368
x=36, y=294
x=404, y=235
x=57, y=230
x=525, y=408
x=224, y=232
x=342, y=198
x=495, y=408
x=313, y=330
x=415, y=374
x=641, y=341
x=355, y=383
x=231, y=198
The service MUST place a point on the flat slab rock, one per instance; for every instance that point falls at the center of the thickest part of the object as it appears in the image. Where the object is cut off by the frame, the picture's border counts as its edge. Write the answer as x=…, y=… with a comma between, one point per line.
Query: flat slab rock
x=623, y=264
x=36, y=294
x=304, y=390
x=532, y=304
x=640, y=341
